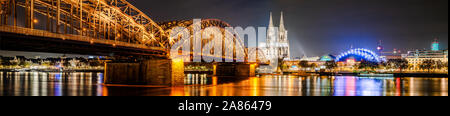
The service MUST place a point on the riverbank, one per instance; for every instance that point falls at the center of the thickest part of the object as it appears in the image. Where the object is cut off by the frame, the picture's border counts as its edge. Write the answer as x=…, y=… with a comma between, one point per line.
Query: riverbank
x=385, y=74
x=439, y=75
x=52, y=70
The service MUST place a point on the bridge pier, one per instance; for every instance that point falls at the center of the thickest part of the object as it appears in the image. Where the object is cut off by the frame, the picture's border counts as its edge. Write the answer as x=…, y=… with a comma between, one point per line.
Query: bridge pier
x=235, y=69
x=148, y=72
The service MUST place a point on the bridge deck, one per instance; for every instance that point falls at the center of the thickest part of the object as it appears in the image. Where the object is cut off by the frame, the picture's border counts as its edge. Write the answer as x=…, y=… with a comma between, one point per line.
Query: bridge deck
x=41, y=33
x=33, y=40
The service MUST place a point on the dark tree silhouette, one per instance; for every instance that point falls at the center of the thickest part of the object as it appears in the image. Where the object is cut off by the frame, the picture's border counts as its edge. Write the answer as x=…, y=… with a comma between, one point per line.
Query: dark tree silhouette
x=400, y=64
x=330, y=65
x=428, y=65
x=303, y=64
x=368, y=65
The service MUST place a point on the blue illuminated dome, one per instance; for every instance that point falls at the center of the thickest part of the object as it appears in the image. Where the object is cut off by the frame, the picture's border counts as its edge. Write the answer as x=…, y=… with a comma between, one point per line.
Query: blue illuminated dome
x=327, y=58
x=359, y=54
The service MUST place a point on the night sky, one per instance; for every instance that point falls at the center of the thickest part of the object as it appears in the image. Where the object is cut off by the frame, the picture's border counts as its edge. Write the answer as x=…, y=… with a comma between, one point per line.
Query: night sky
x=318, y=27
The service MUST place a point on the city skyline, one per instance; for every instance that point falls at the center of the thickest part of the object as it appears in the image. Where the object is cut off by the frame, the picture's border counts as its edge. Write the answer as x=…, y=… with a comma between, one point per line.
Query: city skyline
x=327, y=28
x=57, y=55
x=210, y=48
x=319, y=27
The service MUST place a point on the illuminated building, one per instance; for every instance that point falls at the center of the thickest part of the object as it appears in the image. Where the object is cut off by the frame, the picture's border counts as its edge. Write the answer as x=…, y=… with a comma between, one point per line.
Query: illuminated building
x=327, y=58
x=394, y=54
x=415, y=58
x=435, y=45
x=277, y=43
x=276, y=46
x=283, y=41
x=350, y=61
x=359, y=54
x=293, y=65
x=310, y=59
x=316, y=63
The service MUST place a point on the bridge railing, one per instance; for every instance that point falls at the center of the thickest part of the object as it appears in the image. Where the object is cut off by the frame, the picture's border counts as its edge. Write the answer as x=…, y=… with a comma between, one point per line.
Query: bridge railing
x=42, y=33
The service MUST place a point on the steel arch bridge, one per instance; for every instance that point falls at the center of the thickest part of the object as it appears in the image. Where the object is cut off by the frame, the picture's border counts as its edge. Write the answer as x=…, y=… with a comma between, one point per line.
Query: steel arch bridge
x=168, y=26
x=113, y=26
x=111, y=23
x=363, y=54
x=238, y=47
x=106, y=19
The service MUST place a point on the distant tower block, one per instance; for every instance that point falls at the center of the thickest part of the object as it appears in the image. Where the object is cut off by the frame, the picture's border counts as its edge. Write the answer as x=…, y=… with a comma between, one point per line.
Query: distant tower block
x=435, y=45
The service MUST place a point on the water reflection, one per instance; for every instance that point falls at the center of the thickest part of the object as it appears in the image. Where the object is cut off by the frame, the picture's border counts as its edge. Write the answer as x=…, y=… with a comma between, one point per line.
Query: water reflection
x=316, y=86
x=50, y=84
x=196, y=79
x=91, y=84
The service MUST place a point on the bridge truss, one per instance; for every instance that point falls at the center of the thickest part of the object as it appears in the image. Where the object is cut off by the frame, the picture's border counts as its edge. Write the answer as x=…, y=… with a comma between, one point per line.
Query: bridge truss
x=111, y=22
x=115, y=20
x=235, y=44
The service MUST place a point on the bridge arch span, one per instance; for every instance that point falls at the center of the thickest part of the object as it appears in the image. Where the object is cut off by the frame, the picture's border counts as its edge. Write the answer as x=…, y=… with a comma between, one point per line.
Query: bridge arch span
x=239, y=45
x=359, y=54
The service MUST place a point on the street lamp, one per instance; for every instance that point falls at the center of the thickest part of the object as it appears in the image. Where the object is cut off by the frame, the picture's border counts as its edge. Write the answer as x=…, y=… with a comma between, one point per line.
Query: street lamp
x=83, y=32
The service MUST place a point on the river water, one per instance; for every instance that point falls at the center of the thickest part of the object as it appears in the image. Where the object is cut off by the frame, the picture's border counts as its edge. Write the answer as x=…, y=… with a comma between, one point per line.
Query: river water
x=91, y=84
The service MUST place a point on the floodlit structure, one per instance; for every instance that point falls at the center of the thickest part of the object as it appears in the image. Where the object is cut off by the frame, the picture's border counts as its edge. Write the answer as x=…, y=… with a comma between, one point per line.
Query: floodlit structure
x=435, y=45
x=277, y=42
x=415, y=58
x=102, y=27
x=276, y=46
x=359, y=54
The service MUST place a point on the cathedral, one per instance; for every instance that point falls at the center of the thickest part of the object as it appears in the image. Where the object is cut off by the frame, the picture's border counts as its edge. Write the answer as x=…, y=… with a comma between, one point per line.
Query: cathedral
x=277, y=43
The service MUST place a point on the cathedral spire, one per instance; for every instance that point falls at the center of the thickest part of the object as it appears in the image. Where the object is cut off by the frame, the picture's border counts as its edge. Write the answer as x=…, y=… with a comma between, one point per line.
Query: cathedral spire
x=271, y=20
x=282, y=22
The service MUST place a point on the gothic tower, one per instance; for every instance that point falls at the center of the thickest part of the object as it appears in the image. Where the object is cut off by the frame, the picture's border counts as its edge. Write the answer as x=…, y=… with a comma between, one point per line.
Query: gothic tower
x=276, y=46
x=271, y=40
x=277, y=43
x=283, y=41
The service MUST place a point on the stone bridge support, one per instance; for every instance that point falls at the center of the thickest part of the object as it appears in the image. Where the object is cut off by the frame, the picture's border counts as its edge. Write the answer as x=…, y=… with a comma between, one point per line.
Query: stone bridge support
x=235, y=69
x=149, y=72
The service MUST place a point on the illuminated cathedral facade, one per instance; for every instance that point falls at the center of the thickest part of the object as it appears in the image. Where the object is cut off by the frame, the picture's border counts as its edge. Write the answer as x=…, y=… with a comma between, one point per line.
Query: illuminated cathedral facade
x=277, y=43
